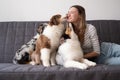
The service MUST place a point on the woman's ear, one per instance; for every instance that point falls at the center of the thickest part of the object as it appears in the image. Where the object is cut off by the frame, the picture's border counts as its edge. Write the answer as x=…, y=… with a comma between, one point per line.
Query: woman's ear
x=79, y=17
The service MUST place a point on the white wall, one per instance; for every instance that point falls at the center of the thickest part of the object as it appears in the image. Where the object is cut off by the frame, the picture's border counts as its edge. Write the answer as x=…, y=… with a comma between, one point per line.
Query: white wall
x=42, y=10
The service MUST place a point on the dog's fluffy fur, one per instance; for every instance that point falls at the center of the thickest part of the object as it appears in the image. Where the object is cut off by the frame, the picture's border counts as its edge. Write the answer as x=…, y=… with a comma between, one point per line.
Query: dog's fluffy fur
x=48, y=42
x=70, y=53
x=22, y=55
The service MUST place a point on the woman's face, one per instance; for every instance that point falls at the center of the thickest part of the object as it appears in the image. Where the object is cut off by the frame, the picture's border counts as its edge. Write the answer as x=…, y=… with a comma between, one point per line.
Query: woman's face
x=73, y=15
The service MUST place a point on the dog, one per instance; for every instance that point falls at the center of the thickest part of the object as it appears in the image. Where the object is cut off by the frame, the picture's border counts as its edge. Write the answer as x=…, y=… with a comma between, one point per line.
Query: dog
x=22, y=55
x=48, y=42
x=70, y=53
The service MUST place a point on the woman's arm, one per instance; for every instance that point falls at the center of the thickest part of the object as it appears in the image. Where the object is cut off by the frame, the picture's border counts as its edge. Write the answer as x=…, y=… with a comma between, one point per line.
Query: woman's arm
x=91, y=55
x=94, y=42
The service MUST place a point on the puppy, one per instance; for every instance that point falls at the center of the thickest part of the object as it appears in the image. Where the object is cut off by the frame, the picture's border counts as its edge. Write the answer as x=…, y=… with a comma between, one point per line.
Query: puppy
x=70, y=53
x=48, y=42
x=22, y=55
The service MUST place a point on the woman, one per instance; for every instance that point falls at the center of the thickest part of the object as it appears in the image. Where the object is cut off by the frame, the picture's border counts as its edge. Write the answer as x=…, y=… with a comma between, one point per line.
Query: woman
x=86, y=32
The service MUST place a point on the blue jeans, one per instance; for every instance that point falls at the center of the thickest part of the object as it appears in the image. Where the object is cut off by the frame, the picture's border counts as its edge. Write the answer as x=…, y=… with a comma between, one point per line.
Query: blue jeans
x=110, y=54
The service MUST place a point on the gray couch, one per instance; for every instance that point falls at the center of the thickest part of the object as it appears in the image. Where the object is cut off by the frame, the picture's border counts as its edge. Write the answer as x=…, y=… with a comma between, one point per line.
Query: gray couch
x=15, y=34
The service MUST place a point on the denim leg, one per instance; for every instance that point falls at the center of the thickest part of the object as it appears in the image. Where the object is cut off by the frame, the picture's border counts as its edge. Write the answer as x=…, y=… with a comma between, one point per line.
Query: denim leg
x=115, y=59
x=105, y=52
x=112, y=61
x=110, y=54
x=116, y=50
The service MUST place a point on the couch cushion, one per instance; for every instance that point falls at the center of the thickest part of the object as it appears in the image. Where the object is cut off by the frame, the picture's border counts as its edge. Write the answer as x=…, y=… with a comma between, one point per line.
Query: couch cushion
x=29, y=72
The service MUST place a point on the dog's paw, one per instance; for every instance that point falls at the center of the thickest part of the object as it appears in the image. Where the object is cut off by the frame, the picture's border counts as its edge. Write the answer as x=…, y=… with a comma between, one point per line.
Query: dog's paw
x=83, y=66
x=75, y=64
x=46, y=65
x=91, y=63
x=53, y=64
x=32, y=63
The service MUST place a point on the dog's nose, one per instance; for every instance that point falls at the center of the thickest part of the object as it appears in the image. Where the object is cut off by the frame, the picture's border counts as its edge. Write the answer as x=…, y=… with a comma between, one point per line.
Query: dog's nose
x=63, y=19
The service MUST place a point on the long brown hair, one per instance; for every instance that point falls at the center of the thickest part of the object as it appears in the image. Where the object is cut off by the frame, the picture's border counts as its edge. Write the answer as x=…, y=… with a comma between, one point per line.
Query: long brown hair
x=81, y=29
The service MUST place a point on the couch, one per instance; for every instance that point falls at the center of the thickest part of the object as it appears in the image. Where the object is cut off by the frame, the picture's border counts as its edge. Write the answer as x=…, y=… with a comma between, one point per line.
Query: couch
x=16, y=33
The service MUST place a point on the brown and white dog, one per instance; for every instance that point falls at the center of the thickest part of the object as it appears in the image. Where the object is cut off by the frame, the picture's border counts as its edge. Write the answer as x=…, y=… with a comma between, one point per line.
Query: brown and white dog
x=48, y=42
x=70, y=53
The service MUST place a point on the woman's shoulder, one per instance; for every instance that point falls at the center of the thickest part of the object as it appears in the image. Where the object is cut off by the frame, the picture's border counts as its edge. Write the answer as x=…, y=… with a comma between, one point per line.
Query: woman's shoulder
x=91, y=27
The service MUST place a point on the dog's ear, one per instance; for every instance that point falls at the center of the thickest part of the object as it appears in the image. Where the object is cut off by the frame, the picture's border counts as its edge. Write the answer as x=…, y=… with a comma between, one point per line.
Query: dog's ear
x=41, y=28
x=55, y=20
x=68, y=30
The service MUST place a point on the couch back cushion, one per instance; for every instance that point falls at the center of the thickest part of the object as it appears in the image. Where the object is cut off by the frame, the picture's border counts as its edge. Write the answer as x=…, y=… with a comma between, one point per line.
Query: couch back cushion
x=14, y=34
x=108, y=30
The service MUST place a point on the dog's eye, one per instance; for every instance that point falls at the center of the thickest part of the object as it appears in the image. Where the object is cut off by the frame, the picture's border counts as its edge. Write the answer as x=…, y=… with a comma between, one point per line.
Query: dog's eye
x=19, y=50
